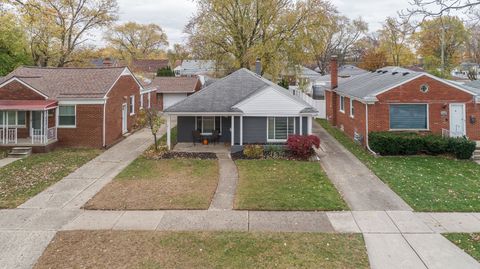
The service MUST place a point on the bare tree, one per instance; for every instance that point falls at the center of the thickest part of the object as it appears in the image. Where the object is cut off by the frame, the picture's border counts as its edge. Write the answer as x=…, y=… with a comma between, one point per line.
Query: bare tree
x=151, y=119
x=437, y=8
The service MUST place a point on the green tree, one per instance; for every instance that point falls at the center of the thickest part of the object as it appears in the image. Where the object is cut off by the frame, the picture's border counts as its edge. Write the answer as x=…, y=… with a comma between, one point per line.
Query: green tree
x=151, y=119
x=13, y=43
x=394, y=40
x=165, y=72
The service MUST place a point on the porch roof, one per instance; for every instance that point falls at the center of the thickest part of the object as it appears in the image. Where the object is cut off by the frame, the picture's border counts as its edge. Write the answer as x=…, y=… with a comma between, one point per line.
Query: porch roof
x=28, y=105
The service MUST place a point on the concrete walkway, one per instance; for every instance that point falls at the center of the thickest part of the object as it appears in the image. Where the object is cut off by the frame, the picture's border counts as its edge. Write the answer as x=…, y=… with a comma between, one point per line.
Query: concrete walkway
x=361, y=189
x=7, y=161
x=227, y=184
x=25, y=232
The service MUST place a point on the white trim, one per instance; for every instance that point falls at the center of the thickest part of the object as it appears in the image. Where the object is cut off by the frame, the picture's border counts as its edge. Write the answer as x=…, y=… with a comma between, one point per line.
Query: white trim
x=301, y=126
x=83, y=102
x=141, y=100
x=23, y=83
x=352, y=110
x=310, y=123
x=124, y=118
x=16, y=125
x=341, y=101
x=284, y=92
x=104, y=136
x=169, y=139
x=149, y=99
x=464, y=117
x=131, y=105
x=67, y=126
x=204, y=113
x=232, y=131
x=214, y=124
x=241, y=130
x=275, y=130
x=409, y=129
x=126, y=72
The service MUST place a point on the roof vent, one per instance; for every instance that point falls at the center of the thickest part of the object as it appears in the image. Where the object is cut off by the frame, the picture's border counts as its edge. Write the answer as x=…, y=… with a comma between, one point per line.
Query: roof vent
x=406, y=73
x=379, y=71
x=394, y=73
x=384, y=72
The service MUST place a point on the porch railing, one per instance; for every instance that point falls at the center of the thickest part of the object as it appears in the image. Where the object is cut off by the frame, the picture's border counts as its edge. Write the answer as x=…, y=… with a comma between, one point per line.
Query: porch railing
x=37, y=136
x=8, y=136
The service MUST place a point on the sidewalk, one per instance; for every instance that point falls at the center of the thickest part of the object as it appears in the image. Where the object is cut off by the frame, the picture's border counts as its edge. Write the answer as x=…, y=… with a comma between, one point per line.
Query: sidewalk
x=227, y=184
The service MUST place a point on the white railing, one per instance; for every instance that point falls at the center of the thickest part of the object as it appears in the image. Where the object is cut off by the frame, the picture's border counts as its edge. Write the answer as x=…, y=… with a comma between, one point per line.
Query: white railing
x=318, y=104
x=37, y=136
x=52, y=133
x=12, y=136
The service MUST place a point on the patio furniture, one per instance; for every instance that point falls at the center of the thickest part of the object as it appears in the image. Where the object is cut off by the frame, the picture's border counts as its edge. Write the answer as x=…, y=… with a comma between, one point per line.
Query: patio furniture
x=197, y=137
x=215, y=138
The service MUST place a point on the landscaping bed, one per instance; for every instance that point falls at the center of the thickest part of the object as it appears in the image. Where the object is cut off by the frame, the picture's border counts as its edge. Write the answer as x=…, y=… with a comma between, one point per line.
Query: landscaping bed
x=25, y=178
x=285, y=185
x=426, y=183
x=135, y=249
x=160, y=184
x=470, y=243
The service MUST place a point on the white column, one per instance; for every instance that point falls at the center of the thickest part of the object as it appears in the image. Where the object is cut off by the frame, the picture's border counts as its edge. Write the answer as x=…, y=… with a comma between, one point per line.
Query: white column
x=3, y=127
x=301, y=125
x=241, y=130
x=310, y=125
x=169, y=142
x=46, y=126
x=233, y=131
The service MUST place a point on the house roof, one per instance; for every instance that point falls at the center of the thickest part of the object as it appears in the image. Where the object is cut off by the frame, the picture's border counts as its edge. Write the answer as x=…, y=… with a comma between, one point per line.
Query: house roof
x=149, y=65
x=67, y=82
x=174, y=84
x=345, y=71
x=368, y=85
x=27, y=105
x=224, y=94
x=195, y=67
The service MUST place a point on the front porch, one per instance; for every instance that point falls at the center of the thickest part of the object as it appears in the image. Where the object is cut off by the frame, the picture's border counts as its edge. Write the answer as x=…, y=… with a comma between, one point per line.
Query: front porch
x=190, y=147
x=28, y=124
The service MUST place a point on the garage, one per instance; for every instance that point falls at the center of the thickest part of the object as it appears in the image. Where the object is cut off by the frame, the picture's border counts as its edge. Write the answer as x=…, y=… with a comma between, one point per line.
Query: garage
x=171, y=90
x=170, y=99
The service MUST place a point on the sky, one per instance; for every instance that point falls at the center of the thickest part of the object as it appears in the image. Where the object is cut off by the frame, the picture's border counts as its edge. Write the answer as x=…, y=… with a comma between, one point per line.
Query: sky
x=173, y=15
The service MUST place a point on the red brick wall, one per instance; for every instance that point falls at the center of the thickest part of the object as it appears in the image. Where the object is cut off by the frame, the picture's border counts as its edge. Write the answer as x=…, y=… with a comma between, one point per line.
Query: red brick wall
x=17, y=91
x=88, y=132
x=438, y=97
x=160, y=101
x=120, y=93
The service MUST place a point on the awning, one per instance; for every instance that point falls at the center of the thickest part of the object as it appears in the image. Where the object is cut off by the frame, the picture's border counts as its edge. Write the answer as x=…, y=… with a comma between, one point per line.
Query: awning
x=28, y=105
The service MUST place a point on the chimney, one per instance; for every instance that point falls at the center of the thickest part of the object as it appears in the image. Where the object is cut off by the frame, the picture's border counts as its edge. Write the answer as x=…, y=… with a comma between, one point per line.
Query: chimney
x=333, y=72
x=258, y=67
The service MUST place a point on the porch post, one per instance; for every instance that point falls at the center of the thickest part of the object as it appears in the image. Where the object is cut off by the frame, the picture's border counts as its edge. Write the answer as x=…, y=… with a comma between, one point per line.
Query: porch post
x=46, y=126
x=310, y=125
x=3, y=127
x=233, y=131
x=241, y=130
x=169, y=145
x=301, y=125
x=5, y=123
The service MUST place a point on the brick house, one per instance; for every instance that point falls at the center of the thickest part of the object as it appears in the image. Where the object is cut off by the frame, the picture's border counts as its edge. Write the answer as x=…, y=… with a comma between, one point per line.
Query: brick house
x=73, y=107
x=397, y=100
x=171, y=90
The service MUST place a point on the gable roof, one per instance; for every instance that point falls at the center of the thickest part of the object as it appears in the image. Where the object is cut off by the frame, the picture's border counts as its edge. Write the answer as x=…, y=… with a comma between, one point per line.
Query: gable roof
x=149, y=65
x=368, y=85
x=224, y=94
x=174, y=84
x=68, y=82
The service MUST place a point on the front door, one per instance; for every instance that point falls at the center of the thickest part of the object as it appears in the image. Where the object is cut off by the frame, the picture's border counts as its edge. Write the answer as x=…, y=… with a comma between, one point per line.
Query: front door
x=36, y=120
x=457, y=120
x=124, y=118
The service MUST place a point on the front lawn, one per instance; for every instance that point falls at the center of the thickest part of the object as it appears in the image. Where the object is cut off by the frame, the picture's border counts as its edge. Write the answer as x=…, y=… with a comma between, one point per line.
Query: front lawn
x=25, y=178
x=160, y=184
x=470, y=243
x=426, y=183
x=285, y=185
x=134, y=249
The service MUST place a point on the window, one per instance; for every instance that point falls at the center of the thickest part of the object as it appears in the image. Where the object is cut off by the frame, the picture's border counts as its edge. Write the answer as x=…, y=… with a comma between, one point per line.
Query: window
x=206, y=125
x=132, y=105
x=342, y=104
x=149, y=100
x=67, y=116
x=141, y=100
x=409, y=117
x=279, y=128
x=15, y=118
x=352, y=109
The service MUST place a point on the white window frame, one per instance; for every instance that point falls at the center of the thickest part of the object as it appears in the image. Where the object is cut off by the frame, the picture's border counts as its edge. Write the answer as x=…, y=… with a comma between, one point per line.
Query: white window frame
x=214, y=124
x=67, y=126
x=342, y=104
x=141, y=100
x=352, y=110
x=275, y=130
x=399, y=130
x=16, y=125
x=132, y=105
x=149, y=97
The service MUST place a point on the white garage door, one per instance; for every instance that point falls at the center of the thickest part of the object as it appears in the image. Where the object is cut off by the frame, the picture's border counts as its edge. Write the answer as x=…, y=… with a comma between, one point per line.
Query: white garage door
x=170, y=99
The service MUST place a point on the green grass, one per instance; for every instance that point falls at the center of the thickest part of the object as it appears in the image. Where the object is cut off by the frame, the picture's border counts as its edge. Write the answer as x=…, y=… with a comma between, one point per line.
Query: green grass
x=470, y=243
x=173, y=137
x=135, y=249
x=426, y=183
x=25, y=178
x=3, y=153
x=285, y=185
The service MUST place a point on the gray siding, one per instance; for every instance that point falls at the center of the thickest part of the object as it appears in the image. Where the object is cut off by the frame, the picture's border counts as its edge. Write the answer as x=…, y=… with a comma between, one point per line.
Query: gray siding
x=254, y=130
x=185, y=126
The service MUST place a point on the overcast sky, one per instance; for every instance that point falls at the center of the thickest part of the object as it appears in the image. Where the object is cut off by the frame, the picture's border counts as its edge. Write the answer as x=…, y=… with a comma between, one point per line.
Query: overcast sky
x=173, y=15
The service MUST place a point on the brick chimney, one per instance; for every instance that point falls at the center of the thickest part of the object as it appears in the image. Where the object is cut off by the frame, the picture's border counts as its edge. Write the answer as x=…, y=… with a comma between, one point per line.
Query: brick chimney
x=333, y=72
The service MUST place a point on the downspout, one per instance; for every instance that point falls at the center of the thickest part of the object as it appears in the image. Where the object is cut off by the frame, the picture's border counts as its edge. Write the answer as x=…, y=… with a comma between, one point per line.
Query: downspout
x=104, y=121
x=366, y=131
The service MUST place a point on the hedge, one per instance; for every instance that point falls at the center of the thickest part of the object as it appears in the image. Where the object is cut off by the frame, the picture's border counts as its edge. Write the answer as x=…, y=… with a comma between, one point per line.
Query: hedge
x=388, y=143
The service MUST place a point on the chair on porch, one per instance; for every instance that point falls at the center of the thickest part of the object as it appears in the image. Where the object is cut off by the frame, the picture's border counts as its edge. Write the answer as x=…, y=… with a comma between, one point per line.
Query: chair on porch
x=215, y=137
x=197, y=136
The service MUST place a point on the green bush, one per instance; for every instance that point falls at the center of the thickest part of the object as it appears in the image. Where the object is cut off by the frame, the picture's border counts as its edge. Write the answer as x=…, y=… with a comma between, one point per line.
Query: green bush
x=253, y=151
x=274, y=151
x=389, y=143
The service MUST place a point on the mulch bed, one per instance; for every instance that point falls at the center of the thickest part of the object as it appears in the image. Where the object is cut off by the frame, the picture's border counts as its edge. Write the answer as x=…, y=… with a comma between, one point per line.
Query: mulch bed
x=180, y=155
x=267, y=156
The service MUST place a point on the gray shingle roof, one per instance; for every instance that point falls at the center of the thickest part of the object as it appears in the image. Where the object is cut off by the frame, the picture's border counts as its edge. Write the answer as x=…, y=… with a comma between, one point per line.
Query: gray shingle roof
x=68, y=82
x=223, y=94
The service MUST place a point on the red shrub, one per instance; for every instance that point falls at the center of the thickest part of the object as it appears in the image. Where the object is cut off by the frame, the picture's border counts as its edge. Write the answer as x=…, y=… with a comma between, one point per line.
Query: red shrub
x=301, y=146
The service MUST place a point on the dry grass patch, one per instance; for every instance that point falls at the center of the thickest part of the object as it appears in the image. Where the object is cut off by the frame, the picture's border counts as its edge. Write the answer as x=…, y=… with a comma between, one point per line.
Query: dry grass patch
x=134, y=249
x=160, y=184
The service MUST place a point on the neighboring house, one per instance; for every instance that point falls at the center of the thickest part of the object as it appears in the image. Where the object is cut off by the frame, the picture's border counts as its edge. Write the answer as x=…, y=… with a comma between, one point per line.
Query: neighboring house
x=245, y=108
x=74, y=107
x=171, y=90
x=195, y=68
x=105, y=62
x=148, y=67
x=397, y=100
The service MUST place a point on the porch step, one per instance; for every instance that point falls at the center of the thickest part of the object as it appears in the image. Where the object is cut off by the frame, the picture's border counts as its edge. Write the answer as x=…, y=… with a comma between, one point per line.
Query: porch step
x=476, y=155
x=20, y=152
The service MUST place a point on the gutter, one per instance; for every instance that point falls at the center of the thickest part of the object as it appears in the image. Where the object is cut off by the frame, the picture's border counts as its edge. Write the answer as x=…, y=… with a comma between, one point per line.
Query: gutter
x=366, y=131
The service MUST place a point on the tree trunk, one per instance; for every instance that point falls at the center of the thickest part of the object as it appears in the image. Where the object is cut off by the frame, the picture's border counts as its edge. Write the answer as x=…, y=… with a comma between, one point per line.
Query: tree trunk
x=156, y=142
